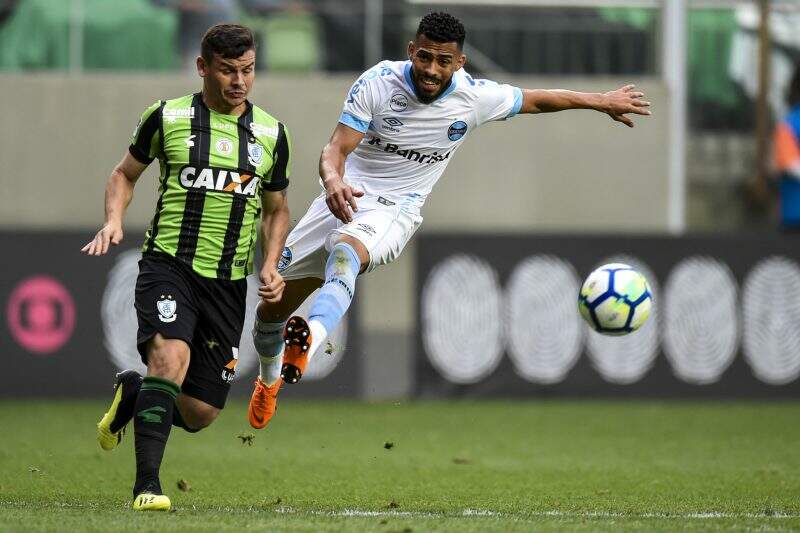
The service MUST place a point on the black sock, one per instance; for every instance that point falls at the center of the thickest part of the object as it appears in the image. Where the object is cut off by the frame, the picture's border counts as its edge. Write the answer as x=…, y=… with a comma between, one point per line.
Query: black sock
x=152, y=422
x=178, y=421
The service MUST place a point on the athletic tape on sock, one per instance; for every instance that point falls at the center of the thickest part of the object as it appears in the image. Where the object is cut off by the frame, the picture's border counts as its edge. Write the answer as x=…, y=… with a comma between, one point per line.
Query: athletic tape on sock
x=268, y=338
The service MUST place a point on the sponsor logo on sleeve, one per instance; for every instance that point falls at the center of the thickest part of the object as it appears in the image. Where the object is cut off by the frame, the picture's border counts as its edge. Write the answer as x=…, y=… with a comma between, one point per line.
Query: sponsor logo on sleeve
x=259, y=130
x=171, y=115
x=457, y=130
x=136, y=129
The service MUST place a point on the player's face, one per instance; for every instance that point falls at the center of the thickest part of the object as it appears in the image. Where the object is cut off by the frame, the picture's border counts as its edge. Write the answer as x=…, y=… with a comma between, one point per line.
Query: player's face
x=432, y=66
x=228, y=81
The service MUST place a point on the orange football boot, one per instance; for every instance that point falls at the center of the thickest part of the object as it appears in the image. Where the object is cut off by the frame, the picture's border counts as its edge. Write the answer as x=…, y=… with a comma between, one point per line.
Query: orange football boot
x=263, y=403
x=297, y=337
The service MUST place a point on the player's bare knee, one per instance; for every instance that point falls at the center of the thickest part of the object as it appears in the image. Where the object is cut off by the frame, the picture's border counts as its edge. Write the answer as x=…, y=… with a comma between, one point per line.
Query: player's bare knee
x=167, y=358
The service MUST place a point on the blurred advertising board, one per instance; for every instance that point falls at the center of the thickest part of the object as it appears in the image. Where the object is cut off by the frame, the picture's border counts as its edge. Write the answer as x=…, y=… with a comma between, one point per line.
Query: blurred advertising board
x=68, y=322
x=498, y=317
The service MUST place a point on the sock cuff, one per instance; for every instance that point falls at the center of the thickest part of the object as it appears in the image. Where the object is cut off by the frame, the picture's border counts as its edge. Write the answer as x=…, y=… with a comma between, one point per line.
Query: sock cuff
x=161, y=384
x=355, y=261
x=269, y=327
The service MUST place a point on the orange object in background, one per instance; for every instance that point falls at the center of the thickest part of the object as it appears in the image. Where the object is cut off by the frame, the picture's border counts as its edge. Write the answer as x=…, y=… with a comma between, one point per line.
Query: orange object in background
x=785, y=148
x=786, y=161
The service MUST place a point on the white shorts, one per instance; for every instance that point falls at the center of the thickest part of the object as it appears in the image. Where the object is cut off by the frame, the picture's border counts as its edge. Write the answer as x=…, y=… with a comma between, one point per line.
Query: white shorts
x=382, y=224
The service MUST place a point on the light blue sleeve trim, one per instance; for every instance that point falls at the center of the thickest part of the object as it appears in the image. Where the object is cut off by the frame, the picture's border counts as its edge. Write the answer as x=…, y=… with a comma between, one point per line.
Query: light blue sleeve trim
x=354, y=122
x=517, y=102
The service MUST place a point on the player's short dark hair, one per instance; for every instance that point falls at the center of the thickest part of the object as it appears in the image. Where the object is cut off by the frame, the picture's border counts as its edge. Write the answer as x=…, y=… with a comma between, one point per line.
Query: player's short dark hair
x=442, y=27
x=793, y=92
x=228, y=40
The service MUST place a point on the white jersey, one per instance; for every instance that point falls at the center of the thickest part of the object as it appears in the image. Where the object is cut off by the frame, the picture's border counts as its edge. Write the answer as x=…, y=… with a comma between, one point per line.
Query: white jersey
x=407, y=144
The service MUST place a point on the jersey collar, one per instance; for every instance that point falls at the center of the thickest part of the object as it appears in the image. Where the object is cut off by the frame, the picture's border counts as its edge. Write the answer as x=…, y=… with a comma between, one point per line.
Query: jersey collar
x=247, y=108
x=410, y=83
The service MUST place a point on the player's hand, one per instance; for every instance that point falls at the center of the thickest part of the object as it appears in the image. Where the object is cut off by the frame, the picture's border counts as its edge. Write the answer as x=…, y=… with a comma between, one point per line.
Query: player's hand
x=341, y=199
x=625, y=100
x=272, y=284
x=109, y=234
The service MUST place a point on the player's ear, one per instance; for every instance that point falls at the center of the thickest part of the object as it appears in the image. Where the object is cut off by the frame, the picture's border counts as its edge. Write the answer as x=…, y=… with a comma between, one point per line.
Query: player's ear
x=410, y=49
x=462, y=60
x=202, y=67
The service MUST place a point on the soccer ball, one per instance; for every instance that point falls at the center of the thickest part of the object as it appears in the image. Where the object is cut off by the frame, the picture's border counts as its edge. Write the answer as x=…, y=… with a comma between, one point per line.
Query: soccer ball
x=615, y=299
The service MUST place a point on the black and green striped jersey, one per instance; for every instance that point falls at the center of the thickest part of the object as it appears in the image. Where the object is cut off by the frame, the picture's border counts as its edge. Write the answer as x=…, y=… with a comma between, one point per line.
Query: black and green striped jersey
x=213, y=170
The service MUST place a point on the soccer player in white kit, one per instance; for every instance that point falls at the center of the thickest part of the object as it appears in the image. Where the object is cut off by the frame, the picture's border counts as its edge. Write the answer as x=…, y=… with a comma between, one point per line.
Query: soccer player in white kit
x=401, y=125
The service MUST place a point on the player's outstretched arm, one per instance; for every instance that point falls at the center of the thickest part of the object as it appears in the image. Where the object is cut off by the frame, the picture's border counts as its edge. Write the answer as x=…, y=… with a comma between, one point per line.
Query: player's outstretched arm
x=617, y=104
x=119, y=191
x=340, y=197
x=274, y=228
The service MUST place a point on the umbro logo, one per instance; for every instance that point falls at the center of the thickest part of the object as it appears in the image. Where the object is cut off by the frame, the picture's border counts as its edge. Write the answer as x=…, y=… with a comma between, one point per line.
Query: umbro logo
x=391, y=124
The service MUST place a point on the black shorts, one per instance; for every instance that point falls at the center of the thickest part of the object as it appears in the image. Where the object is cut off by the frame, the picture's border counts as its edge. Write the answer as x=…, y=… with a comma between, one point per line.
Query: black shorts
x=208, y=314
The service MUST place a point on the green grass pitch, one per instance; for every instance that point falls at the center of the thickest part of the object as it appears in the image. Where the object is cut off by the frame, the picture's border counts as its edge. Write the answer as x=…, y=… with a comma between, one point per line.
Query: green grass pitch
x=392, y=467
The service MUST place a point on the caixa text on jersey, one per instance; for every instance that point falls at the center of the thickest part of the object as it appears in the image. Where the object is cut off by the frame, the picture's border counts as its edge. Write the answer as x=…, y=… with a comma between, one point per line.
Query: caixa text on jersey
x=219, y=179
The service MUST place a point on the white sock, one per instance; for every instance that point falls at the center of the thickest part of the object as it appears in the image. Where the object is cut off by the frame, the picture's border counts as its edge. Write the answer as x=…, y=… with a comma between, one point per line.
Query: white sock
x=270, y=368
x=318, y=336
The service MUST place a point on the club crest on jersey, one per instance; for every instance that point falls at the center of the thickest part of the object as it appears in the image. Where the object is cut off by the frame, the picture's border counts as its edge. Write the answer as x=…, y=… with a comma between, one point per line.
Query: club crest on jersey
x=224, y=146
x=398, y=102
x=285, y=260
x=255, y=154
x=219, y=180
x=167, y=307
x=457, y=130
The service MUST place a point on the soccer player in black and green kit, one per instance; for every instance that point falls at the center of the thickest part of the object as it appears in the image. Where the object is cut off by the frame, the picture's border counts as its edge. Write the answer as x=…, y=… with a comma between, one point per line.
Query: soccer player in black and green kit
x=224, y=164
